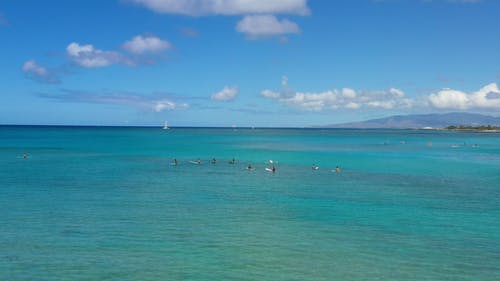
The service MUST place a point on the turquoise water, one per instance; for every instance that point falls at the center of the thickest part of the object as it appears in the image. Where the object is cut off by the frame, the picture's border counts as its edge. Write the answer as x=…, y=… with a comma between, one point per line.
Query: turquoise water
x=106, y=204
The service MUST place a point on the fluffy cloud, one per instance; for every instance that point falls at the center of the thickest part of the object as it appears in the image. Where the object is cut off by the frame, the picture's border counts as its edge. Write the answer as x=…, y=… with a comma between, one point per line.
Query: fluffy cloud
x=142, y=50
x=90, y=57
x=154, y=103
x=346, y=98
x=270, y=94
x=348, y=93
x=38, y=73
x=258, y=26
x=396, y=92
x=334, y=99
x=226, y=94
x=259, y=15
x=146, y=44
x=311, y=101
x=226, y=7
x=32, y=67
x=487, y=97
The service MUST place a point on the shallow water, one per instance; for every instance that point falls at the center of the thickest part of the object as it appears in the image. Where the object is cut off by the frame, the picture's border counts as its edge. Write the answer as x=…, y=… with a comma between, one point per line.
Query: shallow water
x=106, y=203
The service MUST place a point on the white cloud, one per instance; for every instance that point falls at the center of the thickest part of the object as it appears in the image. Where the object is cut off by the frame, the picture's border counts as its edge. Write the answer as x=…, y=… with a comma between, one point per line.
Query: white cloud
x=226, y=7
x=448, y=98
x=311, y=101
x=38, y=73
x=390, y=104
x=90, y=57
x=486, y=97
x=396, y=92
x=32, y=67
x=352, y=105
x=144, y=50
x=346, y=98
x=270, y=94
x=259, y=26
x=226, y=94
x=144, y=44
x=165, y=104
x=348, y=93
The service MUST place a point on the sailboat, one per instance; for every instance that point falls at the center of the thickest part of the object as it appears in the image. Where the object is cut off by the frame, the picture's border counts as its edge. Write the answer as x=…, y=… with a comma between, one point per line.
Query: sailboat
x=165, y=126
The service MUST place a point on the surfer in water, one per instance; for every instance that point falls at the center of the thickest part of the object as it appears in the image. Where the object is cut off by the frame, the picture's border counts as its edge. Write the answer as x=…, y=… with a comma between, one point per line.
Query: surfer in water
x=232, y=161
x=175, y=162
x=249, y=167
x=314, y=167
x=213, y=161
x=337, y=169
x=198, y=161
x=273, y=169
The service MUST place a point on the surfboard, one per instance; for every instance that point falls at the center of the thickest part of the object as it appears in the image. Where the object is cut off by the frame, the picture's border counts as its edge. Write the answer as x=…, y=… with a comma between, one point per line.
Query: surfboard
x=269, y=170
x=194, y=162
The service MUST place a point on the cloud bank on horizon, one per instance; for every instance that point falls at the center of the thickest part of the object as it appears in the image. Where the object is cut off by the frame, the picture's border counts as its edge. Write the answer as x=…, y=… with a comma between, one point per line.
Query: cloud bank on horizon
x=487, y=97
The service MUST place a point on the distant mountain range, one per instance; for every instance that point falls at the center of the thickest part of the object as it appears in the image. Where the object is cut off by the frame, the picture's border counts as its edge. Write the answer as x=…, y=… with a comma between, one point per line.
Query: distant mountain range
x=419, y=121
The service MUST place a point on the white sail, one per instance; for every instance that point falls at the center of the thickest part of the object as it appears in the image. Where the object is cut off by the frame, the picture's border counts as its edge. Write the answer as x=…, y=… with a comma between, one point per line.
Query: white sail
x=165, y=126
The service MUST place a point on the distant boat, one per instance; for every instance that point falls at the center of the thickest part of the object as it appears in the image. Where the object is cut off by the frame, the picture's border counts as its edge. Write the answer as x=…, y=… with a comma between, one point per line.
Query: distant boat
x=165, y=126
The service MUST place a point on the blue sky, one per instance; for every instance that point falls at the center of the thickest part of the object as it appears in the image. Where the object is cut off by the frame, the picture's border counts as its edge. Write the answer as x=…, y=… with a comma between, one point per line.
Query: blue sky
x=245, y=62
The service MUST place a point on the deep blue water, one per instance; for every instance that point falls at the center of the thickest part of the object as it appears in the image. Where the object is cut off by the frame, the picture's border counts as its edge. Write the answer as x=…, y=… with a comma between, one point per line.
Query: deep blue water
x=91, y=203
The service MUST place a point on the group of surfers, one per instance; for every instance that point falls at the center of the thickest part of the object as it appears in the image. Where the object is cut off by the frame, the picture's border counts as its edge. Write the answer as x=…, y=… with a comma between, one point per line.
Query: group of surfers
x=272, y=168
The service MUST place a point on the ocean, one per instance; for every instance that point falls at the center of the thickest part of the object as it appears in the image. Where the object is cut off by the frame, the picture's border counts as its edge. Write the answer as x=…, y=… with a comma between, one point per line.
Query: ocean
x=106, y=203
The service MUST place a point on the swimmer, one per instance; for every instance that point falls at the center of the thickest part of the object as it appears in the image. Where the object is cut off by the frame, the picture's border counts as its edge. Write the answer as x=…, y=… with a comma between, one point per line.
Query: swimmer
x=232, y=161
x=213, y=161
x=249, y=167
x=25, y=155
x=175, y=162
x=198, y=161
x=273, y=169
x=337, y=169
